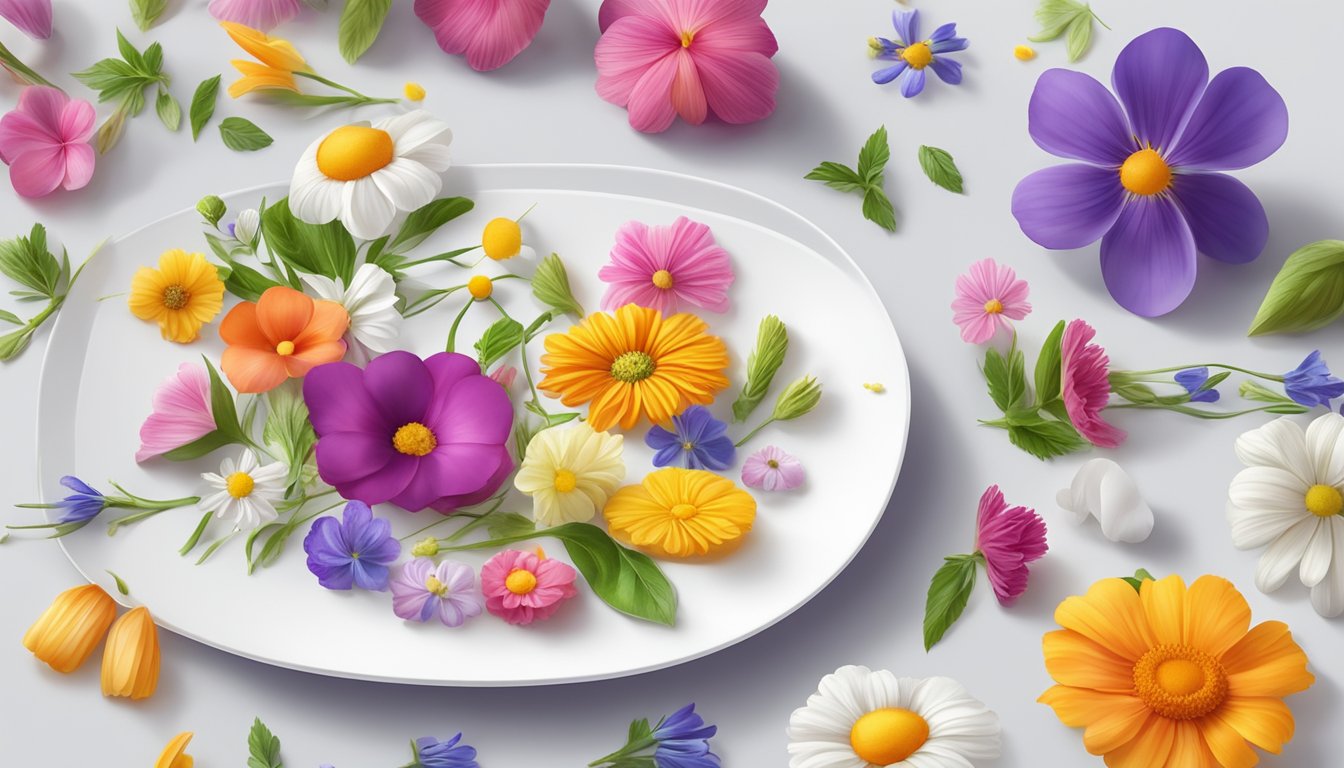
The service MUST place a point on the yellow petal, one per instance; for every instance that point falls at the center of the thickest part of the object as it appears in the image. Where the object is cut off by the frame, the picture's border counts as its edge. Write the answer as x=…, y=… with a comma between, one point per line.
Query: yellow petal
x=1111, y=615
x=1217, y=616
x=175, y=755
x=67, y=633
x=1266, y=723
x=1074, y=660
x=131, y=660
x=1266, y=662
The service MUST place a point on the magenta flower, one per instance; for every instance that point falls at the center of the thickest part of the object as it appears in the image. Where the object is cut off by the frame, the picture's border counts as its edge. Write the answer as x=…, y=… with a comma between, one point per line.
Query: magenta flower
x=523, y=587
x=33, y=17
x=264, y=15
x=1086, y=386
x=686, y=57
x=987, y=298
x=420, y=590
x=1146, y=186
x=666, y=268
x=181, y=413
x=488, y=32
x=416, y=433
x=1009, y=538
x=45, y=142
x=772, y=469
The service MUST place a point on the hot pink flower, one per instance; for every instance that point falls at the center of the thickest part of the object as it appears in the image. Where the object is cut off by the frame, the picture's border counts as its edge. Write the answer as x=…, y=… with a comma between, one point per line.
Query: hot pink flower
x=1086, y=385
x=663, y=268
x=264, y=15
x=31, y=16
x=772, y=469
x=181, y=413
x=523, y=587
x=1009, y=538
x=489, y=32
x=987, y=298
x=663, y=58
x=45, y=142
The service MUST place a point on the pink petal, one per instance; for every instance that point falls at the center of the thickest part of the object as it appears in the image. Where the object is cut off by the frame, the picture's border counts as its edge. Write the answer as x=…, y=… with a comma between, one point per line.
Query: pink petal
x=264, y=15
x=79, y=162
x=791, y=475
x=626, y=51
x=720, y=12
x=39, y=172
x=688, y=96
x=489, y=32
x=743, y=34
x=740, y=87
x=979, y=329
x=21, y=133
x=31, y=16
x=651, y=109
x=612, y=10
x=44, y=104
x=77, y=121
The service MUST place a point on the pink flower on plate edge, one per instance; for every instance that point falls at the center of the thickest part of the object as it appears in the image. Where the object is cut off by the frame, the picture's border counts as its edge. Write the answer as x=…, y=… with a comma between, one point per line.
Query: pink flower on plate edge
x=264, y=15
x=181, y=413
x=523, y=587
x=666, y=268
x=45, y=142
x=664, y=58
x=490, y=33
x=1009, y=538
x=772, y=469
x=1086, y=385
x=33, y=17
x=988, y=297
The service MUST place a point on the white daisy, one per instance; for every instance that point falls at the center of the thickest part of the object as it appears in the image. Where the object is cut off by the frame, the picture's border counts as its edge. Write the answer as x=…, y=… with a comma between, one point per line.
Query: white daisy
x=363, y=174
x=859, y=718
x=244, y=491
x=371, y=301
x=570, y=473
x=1290, y=498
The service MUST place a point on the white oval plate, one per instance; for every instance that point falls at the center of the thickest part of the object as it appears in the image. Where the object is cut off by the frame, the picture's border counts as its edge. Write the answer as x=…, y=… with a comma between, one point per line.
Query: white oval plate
x=103, y=365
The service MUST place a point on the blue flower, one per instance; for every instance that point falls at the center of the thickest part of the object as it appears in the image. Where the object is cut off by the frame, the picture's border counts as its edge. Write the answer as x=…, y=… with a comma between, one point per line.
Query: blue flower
x=913, y=54
x=1311, y=383
x=1193, y=380
x=81, y=506
x=683, y=741
x=355, y=551
x=699, y=442
x=432, y=753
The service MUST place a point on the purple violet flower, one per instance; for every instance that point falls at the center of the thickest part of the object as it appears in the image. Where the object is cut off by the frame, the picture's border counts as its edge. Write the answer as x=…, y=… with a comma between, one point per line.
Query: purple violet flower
x=1193, y=380
x=353, y=552
x=432, y=753
x=1311, y=383
x=699, y=441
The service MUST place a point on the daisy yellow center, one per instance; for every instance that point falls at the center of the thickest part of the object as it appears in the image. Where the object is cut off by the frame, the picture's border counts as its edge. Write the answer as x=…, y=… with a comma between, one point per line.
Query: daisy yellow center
x=662, y=279
x=889, y=735
x=1180, y=682
x=240, y=485
x=684, y=511
x=1145, y=173
x=354, y=152
x=502, y=239
x=414, y=439
x=771, y=463
x=284, y=348
x=917, y=55
x=565, y=481
x=175, y=296
x=994, y=307
x=520, y=581
x=480, y=287
x=632, y=367
x=1324, y=500
x=436, y=587
x=687, y=37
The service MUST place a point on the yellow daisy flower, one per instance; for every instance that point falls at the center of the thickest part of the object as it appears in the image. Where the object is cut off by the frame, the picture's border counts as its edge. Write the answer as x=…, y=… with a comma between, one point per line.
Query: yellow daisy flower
x=679, y=512
x=570, y=473
x=182, y=295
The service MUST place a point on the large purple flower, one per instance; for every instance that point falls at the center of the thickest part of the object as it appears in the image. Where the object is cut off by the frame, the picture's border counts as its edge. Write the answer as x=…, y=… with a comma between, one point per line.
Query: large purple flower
x=1147, y=189
x=417, y=433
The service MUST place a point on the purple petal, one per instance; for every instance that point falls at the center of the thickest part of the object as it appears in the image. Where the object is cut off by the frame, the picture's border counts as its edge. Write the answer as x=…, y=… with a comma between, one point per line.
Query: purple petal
x=1072, y=115
x=400, y=386
x=354, y=519
x=1068, y=206
x=944, y=32
x=475, y=410
x=1159, y=77
x=907, y=25
x=448, y=504
x=338, y=402
x=884, y=76
x=1240, y=120
x=659, y=438
x=382, y=485
x=449, y=470
x=344, y=457
x=948, y=71
x=1148, y=257
x=913, y=83
x=449, y=367
x=370, y=576
x=1225, y=216
x=949, y=45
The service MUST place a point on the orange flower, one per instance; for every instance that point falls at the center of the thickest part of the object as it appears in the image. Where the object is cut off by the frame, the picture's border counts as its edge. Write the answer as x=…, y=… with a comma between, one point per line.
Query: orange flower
x=1172, y=676
x=283, y=335
x=276, y=61
x=259, y=77
x=175, y=754
x=68, y=631
x=632, y=364
x=131, y=659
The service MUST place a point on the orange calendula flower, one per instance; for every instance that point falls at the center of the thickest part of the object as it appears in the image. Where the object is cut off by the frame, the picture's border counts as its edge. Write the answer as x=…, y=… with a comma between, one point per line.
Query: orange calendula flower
x=278, y=58
x=259, y=77
x=182, y=295
x=679, y=512
x=281, y=336
x=1172, y=676
x=131, y=659
x=67, y=632
x=632, y=364
x=175, y=754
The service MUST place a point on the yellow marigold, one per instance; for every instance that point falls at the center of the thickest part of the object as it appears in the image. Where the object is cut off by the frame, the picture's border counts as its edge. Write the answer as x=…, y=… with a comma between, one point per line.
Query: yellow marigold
x=259, y=77
x=679, y=512
x=67, y=632
x=274, y=52
x=175, y=754
x=633, y=364
x=131, y=659
x=182, y=295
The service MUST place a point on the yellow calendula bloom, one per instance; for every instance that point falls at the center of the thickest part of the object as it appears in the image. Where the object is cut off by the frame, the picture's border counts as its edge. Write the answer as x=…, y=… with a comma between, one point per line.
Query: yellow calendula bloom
x=679, y=512
x=131, y=659
x=259, y=77
x=182, y=295
x=271, y=51
x=67, y=632
x=175, y=754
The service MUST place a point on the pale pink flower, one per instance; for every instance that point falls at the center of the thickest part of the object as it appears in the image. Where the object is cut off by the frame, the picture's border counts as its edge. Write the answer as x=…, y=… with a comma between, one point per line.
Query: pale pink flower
x=1009, y=538
x=181, y=413
x=772, y=469
x=488, y=32
x=421, y=590
x=987, y=298
x=664, y=58
x=667, y=267
x=45, y=142
x=504, y=375
x=264, y=15
x=523, y=587
x=33, y=17
x=1086, y=386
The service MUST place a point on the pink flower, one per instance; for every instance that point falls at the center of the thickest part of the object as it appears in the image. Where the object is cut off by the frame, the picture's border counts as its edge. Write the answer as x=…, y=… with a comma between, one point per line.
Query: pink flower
x=665, y=267
x=987, y=298
x=489, y=32
x=45, y=142
x=663, y=58
x=504, y=375
x=264, y=15
x=1009, y=538
x=181, y=413
x=420, y=590
x=773, y=470
x=523, y=587
x=1086, y=387
x=31, y=16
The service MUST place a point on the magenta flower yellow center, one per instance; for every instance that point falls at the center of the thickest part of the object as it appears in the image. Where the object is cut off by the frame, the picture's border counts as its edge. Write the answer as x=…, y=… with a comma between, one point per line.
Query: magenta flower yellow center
x=1145, y=173
x=684, y=511
x=565, y=481
x=414, y=439
x=520, y=581
x=994, y=307
x=687, y=37
x=354, y=152
x=284, y=348
x=917, y=55
x=662, y=279
x=889, y=735
x=1180, y=682
x=175, y=296
x=436, y=587
x=1324, y=500
x=239, y=485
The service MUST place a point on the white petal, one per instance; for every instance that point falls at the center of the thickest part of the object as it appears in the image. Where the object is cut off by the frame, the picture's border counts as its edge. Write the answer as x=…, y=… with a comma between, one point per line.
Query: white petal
x=1123, y=514
x=1253, y=528
x=317, y=200
x=1325, y=445
x=434, y=156
x=1327, y=597
x=416, y=130
x=1283, y=556
x=365, y=210
x=325, y=287
x=1267, y=488
x=1280, y=443
x=1316, y=558
x=407, y=184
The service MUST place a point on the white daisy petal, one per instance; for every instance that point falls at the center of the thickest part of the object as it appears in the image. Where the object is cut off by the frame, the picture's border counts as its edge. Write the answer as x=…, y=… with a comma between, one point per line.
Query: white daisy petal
x=1254, y=528
x=1283, y=556
x=1267, y=487
x=325, y=287
x=1280, y=443
x=1325, y=446
x=1327, y=597
x=365, y=210
x=930, y=756
x=1316, y=558
x=418, y=129
x=407, y=184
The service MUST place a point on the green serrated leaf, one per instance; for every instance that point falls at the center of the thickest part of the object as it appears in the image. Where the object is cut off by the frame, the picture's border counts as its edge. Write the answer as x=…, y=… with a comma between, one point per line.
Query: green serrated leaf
x=361, y=21
x=1080, y=36
x=1055, y=16
x=878, y=209
x=1046, y=438
x=1308, y=292
x=242, y=135
x=425, y=221
x=873, y=157
x=263, y=747
x=504, y=524
x=949, y=592
x=550, y=284
x=146, y=12
x=203, y=105
x=501, y=337
x=940, y=168
x=1048, y=370
x=837, y=176
x=772, y=344
x=169, y=111
x=130, y=53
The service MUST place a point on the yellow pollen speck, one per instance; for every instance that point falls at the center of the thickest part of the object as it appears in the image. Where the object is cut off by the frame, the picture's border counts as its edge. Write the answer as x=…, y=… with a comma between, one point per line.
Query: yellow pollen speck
x=917, y=55
x=684, y=511
x=284, y=348
x=888, y=736
x=687, y=37
x=994, y=307
x=565, y=481
x=520, y=581
x=771, y=463
x=876, y=387
x=1024, y=53
x=436, y=587
x=1145, y=173
x=480, y=287
x=414, y=439
x=414, y=92
x=1324, y=500
x=240, y=485
x=662, y=279
x=502, y=239
x=175, y=296
x=354, y=152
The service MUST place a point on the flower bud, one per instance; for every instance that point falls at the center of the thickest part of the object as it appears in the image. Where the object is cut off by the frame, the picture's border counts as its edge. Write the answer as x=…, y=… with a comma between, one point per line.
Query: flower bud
x=246, y=226
x=797, y=399
x=425, y=547
x=131, y=659
x=212, y=208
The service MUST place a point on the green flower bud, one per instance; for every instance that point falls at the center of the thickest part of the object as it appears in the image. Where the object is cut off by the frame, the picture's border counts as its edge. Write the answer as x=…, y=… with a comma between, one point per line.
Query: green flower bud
x=425, y=547
x=212, y=208
x=797, y=399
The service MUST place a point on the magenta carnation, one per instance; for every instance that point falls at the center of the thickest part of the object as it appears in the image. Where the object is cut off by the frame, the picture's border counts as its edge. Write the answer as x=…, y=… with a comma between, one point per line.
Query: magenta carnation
x=667, y=268
x=1086, y=385
x=1009, y=538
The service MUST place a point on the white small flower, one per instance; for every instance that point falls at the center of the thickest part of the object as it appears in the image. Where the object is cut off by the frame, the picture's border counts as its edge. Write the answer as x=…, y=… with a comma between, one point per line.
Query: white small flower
x=1290, y=497
x=371, y=302
x=245, y=491
x=1103, y=489
x=246, y=226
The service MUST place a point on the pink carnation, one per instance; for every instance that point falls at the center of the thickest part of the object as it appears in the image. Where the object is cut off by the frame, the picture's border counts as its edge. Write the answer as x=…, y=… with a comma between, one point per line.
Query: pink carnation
x=264, y=15
x=45, y=142
x=523, y=587
x=488, y=32
x=1009, y=538
x=772, y=469
x=181, y=413
x=666, y=268
x=1086, y=386
x=988, y=296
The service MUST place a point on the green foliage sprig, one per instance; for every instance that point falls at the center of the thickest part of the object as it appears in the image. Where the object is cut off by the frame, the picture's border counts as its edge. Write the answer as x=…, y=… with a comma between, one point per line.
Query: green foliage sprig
x=866, y=180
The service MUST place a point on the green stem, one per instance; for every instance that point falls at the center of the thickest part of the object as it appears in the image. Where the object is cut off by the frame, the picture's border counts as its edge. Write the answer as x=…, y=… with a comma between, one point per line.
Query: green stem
x=195, y=535
x=1188, y=411
x=753, y=432
x=25, y=72
x=452, y=332
x=1257, y=374
x=449, y=256
x=359, y=100
x=1098, y=18
x=629, y=749
x=499, y=542
x=214, y=545
x=476, y=523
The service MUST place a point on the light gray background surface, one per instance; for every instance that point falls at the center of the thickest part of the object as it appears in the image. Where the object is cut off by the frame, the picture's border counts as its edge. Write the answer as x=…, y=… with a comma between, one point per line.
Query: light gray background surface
x=542, y=107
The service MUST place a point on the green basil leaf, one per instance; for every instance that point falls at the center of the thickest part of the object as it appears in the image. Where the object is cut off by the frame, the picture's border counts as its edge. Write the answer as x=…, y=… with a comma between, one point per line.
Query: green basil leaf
x=949, y=592
x=425, y=221
x=550, y=284
x=241, y=135
x=772, y=344
x=361, y=21
x=263, y=747
x=940, y=168
x=146, y=12
x=203, y=105
x=169, y=111
x=1048, y=366
x=1308, y=292
x=318, y=249
x=624, y=579
x=878, y=209
x=501, y=337
x=873, y=157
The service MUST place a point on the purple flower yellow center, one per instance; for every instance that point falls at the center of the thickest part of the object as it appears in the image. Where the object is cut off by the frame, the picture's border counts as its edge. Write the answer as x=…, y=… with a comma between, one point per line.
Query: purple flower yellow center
x=414, y=439
x=889, y=735
x=1324, y=500
x=354, y=152
x=1145, y=173
x=662, y=279
x=631, y=367
x=1180, y=682
x=684, y=511
x=284, y=348
x=175, y=296
x=239, y=485
x=917, y=55
x=436, y=587
x=687, y=37
x=565, y=481
x=520, y=581
x=994, y=307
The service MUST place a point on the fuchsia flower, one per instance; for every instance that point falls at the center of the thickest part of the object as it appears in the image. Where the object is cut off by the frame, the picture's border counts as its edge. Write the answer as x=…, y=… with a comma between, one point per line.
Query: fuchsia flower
x=421, y=590
x=987, y=298
x=489, y=32
x=1086, y=386
x=772, y=469
x=523, y=587
x=45, y=142
x=264, y=15
x=1009, y=538
x=664, y=268
x=181, y=413
x=663, y=58
x=33, y=17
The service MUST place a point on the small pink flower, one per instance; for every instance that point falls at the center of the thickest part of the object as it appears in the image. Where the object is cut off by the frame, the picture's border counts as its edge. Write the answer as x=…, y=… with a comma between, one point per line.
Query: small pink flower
x=264, y=15
x=686, y=57
x=523, y=587
x=33, y=17
x=987, y=298
x=504, y=375
x=773, y=470
x=420, y=590
x=181, y=413
x=665, y=268
x=1086, y=386
x=45, y=142
x=1009, y=538
x=489, y=32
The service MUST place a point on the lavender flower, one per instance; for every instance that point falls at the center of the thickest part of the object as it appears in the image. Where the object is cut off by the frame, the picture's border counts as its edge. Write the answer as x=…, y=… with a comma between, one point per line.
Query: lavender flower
x=353, y=552
x=699, y=441
x=1311, y=383
x=1193, y=379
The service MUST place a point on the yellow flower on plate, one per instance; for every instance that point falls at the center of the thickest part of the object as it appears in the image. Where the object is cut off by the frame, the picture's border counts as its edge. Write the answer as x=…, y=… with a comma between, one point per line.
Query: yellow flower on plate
x=175, y=754
x=679, y=512
x=570, y=473
x=131, y=658
x=182, y=295
x=67, y=632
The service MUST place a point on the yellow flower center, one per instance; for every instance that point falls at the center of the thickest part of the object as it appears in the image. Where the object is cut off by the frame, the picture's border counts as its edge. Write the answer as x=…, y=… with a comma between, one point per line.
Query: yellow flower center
x=414, y=92
x=1180, y=682
x=994, y=307
x=684, y=511
x=687, y=37
x=662, y=279
x=632, y=367
x=480, y=287
x=354, y=152
x=1145, y=173
x=284, y=348
x=771, y=463
x=565, y=481
x=917, y=55
x=889, y=735
x=1324, y=500
x=414, y=439
x=520, y=581
x=1024, y=53
x=502, y=239
x=436, y=587
x=240, y=485
x=175, y=296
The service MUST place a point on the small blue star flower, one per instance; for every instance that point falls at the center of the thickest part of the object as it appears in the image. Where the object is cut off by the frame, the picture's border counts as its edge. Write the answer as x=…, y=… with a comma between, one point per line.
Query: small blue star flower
x=914, y=54
x=698, y=441
x=1311, y=383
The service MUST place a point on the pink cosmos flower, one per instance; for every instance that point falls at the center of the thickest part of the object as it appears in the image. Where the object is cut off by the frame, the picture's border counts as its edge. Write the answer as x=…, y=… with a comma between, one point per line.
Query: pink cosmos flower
x=987, y=298
x=663, y=58
x=663, y=268
x=1086, y=385
x=489, y=32
x=505, y=376
x=1009, y=538
x=773, y=470
x=421, y=590
x=181, y=413
x=264, y=15
x=45, y=142
x=33, y=17
x=523, y=587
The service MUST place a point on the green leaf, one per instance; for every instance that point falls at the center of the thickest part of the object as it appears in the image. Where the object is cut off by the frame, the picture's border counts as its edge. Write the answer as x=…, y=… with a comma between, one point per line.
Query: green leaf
x=940, y=168
x=247, y=283
x=873, y=157
x=1048, y=367
x=153, y=61
x=131, y=54
x=426, y=220
x=263, y=747
x=289, y=434
x=169, y=111
x=948, y=593
x=10, y=317
x=550, y=284
x=523, y=432
x=797, y=399
x=241, y=135
x=28, y=262
x=1046, y=438
x=772, y=344
x=1308, y=292
x=1055, y=16
x=1136, y=581
x=361, y=21
x=121, y=584
x=146, y=12
x=837, y=176
x=14, y=342
x=504, y=524
x=1080, y=36
x=501, y=337
x=1007, y=378
x=318, y=249
x=878, y=209
x=203, y=104
x=109, y=133
x=21, y=72
x=627, y=580
x=639, y=730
